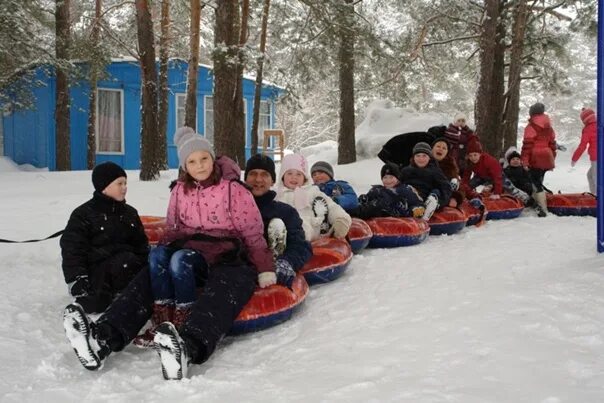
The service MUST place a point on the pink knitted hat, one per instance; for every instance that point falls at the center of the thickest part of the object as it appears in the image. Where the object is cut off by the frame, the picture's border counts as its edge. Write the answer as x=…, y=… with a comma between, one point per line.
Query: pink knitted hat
x=294, y=161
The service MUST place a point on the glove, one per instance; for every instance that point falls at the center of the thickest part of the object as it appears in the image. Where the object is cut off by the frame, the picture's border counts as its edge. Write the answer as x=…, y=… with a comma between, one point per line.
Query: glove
x=494, y=197
x=454, y=183
x=573, y=163
x=476, y=203
x=285, y=273
x=340, y=228
x=267, y=278
x=80, y=287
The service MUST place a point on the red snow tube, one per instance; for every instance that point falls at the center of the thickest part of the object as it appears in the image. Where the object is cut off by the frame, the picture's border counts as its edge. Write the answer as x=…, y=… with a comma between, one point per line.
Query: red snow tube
x=330, y=259
x=475, y=216
x=359, y=235
x=270, y=306
x=154, y=228
x=577, y=204
x=391, y=232
x=503, y=208
x=447, y=220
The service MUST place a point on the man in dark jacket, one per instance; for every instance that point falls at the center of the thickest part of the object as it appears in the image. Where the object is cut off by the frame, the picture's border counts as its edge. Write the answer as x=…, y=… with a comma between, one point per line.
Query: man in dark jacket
x=104, y=244
x=282, y=223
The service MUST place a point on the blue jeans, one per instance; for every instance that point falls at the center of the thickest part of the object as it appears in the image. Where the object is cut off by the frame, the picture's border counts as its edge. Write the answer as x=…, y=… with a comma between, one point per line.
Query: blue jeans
x=176, y=274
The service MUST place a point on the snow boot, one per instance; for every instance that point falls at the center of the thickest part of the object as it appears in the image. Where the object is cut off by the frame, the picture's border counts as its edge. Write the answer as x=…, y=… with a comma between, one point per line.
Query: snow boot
x=541, y=204
x=181, y=313
x=161, y=313
x=82, y=335
x=277, y=236
x=320, y=210
x=431, y=204
x=172, y=352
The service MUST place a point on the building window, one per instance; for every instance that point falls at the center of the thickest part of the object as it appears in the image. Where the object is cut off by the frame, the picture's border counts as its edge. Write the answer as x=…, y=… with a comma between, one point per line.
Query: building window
x=209, y=118
x=265, y=120
x=109, y=122
x=180, y=110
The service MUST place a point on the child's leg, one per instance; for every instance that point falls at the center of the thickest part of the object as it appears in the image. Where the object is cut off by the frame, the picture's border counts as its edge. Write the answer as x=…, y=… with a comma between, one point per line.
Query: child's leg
x=592, y=177
x=121, y=269
x=188, y=269
x=509, y=187
x=159, y=269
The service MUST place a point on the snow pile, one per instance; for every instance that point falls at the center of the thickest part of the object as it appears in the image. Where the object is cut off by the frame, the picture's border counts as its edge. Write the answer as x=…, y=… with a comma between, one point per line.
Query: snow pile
x=8, y=165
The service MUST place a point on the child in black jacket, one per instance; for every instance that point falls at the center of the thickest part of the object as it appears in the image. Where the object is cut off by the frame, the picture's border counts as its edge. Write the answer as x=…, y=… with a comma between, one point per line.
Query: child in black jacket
x=104, y=244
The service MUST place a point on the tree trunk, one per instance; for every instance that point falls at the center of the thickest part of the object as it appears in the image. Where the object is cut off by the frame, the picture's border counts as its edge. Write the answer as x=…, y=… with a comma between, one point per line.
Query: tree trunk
x=150, y=163
x=258, y=89
x=62, y=112
x=162, y=116
x=511, y=110
x=346, y=138
x=227, y=133
x=239, y=124
x=191, y=102
x=94, y=76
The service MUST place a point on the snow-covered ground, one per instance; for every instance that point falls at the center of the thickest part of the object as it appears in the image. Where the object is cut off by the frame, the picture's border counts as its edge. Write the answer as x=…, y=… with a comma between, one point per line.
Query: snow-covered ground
x=509, y=312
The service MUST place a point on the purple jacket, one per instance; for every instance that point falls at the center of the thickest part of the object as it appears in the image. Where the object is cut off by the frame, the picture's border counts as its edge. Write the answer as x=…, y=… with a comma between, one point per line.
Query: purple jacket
x=226, y=209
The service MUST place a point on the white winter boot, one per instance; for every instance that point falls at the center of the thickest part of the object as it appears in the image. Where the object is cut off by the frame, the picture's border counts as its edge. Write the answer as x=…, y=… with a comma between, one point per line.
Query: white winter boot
x=277, y=236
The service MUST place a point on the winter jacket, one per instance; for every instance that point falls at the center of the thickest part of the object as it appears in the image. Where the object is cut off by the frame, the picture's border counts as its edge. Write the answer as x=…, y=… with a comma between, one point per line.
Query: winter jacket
x=297, y=248
x=302, y=199
x=384, y=202
x=224, y=210
x=588, y=138
x=458, y=138
x=341, y=192
x=426, y=180
x=488, y=168
x=539, y=144
x=520, y=178
x=96, y=231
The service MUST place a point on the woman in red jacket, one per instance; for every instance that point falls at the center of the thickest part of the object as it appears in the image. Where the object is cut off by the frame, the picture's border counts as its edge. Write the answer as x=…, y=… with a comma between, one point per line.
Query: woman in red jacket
x=539, y=150
x=589, y=141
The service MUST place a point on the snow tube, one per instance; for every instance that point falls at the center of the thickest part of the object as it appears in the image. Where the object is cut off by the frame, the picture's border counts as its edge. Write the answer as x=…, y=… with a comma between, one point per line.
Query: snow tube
x=391, y=232
x=330, y=258
x=359, y=235
x=447, y=220
x=270, y=306
x=577, y=204
x=474, y=215
x=154, y=228
x=503, y=208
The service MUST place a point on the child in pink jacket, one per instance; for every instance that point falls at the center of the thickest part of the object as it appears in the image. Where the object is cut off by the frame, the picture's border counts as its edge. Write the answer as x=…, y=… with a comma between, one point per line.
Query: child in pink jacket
x=589, y=141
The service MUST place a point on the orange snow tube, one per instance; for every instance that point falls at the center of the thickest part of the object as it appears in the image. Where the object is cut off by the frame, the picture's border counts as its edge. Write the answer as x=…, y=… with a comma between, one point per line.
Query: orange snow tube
x=447, y=220
x=503, y=208
x=330, y=258
x=154, y=228
x=572, y=204
x=475, y=216
x=391, y=232
x=359, y=235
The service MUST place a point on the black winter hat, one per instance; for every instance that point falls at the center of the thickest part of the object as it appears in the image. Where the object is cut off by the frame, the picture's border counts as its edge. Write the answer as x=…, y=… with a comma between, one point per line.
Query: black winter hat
x=263, y=162
x=442, y=140
x=536, y=109
x=513, y=154
x=105, y=173
x=422, y=147
x=322, y=166
x=390, y=169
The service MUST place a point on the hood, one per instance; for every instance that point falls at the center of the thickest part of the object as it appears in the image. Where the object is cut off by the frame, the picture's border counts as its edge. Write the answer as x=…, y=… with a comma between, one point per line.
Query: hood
x=541, y=120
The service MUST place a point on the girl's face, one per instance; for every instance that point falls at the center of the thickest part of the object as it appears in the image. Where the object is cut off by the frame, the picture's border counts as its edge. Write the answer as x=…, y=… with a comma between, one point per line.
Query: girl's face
x=460, y=122
x=390, y=181
x=421, y=160
x=117, y=189
x=440, y=150
x=516, y=162
x=474, y=157
x=292, y=178
x=200, y=165
x=319, y=177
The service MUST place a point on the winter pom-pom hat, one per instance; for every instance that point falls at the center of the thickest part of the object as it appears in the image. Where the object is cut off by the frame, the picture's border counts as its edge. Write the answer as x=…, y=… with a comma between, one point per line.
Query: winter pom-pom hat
x=322, y=166
x=294, y=161
x=263, y=162
x=459, y=116
x=422, y=147
x=513, y=154
x=587, y=116
x=536, y=109
x=390, y=169
x=187, y=142
x=474, y=146
x=105, y=173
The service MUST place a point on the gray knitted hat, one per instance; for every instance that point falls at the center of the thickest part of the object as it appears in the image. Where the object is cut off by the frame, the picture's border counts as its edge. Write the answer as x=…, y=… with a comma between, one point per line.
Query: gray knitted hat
x=187, y=141
x=322, y=166
x=422, y=147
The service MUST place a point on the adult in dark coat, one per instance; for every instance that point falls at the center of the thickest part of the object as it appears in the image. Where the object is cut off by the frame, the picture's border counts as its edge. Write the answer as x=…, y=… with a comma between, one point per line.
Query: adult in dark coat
x=399, y=149
x=104, y=244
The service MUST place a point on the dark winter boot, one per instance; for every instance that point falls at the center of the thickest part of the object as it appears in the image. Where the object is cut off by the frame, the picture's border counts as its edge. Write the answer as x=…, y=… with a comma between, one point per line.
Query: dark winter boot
x=172, y=352
x=82, y=335
x=180, y=316
x=161, y=313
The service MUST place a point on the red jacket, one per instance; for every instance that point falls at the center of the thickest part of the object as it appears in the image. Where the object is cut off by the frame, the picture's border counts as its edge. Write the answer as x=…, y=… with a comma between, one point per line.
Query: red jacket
x=487, y=167
x=588, y=138
x=539, y=144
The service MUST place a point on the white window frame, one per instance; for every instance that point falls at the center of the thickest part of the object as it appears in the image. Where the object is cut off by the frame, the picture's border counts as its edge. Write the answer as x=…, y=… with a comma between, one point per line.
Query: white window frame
x=97, y=137
x=178, y=110
x=270, y=121
x=205, y=120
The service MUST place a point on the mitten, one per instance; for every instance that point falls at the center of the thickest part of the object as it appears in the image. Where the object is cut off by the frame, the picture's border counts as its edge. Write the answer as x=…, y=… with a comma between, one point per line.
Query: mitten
x=340, y=229
x=267, y=278
x=80, y=287
x=285, y=272
x=454, y=183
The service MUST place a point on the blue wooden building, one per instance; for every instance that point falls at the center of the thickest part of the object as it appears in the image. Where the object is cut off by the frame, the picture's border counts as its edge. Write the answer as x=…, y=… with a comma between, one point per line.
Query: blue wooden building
x=27, y=136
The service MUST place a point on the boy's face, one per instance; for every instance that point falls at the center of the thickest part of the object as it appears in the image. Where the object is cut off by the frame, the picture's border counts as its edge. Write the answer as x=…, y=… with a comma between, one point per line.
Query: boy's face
x=293, y=179
x=390, y=181
x=516, y=162
x=474, y=157
x=421, y=160
x=320, y=177
x=260, y=181
x=117, y=189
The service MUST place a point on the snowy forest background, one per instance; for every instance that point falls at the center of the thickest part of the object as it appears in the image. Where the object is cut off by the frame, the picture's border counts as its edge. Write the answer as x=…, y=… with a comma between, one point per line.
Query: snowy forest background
x=490, y=59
